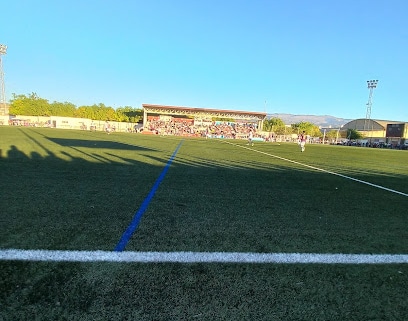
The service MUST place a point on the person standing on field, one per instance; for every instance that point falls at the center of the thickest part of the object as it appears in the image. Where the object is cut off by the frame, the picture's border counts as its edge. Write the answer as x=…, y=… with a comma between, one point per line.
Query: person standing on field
x=107, y=127
x=302, y=139
x=250, y=138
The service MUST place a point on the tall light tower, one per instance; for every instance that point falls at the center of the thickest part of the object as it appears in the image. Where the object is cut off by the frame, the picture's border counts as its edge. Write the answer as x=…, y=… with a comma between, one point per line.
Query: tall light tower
x=371, y=84
x=3, y=50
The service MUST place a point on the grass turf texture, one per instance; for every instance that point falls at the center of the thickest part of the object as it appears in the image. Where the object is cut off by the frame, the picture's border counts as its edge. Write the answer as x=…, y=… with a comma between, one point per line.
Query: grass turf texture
x=77, y=190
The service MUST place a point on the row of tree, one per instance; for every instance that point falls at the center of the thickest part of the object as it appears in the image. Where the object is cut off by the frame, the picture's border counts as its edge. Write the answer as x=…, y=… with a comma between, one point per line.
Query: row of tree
x=34, y=105
x=278, y=127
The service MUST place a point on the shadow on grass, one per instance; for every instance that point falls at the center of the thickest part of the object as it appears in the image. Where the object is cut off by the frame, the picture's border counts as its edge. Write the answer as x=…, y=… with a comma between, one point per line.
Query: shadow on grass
x=97, y=144
x=214, y=197
x=81, y=197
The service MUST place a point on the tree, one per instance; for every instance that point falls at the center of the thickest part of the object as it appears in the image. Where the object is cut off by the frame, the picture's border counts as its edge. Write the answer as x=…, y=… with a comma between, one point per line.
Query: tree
x=97, y=112
x=84, y=112
x=33, y=105
x=18, y=104
x=332, y=134
x=354, y=134
x=29, y=105
x=65, y=109
x=309, y=128
x=129, y=114
x=275, y=125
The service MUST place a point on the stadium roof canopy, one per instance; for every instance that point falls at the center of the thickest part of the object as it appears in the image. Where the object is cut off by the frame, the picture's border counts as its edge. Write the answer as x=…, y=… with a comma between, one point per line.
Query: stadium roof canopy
x=203, y=112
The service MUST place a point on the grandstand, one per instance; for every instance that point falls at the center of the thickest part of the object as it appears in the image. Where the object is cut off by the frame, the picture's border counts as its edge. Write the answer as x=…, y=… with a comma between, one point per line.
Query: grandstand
x=199, y=122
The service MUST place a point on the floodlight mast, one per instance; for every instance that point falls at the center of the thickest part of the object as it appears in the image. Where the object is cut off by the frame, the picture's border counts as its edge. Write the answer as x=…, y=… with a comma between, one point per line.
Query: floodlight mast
x=3, y=51
x=371, y=85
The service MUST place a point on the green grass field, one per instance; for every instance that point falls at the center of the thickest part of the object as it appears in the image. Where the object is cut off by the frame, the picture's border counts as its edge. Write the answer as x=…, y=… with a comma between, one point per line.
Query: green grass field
x=79, y=191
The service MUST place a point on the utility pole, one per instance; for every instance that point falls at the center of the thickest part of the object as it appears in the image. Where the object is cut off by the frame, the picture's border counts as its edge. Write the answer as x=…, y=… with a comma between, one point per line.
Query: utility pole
x=3, y=109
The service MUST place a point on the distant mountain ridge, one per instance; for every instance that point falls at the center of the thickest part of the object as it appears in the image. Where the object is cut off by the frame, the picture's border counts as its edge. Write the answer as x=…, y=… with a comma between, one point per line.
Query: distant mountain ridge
x=323, y=121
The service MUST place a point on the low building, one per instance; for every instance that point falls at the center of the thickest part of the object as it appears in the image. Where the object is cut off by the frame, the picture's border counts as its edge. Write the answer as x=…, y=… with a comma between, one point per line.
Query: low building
x=376, y=131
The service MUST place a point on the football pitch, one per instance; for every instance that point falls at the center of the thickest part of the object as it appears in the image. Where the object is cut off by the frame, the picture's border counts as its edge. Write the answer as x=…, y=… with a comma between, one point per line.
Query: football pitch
x=142, y=227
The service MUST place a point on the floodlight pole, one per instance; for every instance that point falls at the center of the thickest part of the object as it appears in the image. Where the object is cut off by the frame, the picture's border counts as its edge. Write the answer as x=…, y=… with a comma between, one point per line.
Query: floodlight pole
x=3, y=51
x=371, y=84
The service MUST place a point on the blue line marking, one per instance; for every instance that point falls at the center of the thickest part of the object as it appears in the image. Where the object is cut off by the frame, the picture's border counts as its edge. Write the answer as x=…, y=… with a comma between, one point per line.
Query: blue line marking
x=138, y=216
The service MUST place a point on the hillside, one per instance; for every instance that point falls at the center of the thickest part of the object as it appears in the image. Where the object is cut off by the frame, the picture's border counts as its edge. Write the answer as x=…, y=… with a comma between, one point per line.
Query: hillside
x=323, y=121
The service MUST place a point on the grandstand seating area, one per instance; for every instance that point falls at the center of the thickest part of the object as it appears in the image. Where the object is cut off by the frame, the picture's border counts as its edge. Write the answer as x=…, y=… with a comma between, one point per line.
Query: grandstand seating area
x=187, y=127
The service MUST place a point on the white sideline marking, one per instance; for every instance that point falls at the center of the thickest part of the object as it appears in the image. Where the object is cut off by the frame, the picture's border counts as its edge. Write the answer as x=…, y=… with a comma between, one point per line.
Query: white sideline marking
x=322, y=170
x=199, y=257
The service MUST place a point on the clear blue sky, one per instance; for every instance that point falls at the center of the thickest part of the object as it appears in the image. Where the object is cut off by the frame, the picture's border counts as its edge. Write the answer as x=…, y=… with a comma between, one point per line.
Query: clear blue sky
x=305, y=57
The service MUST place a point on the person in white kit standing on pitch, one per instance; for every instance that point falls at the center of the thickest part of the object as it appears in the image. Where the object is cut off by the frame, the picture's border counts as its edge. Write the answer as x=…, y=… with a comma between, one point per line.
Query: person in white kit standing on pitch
x=302, y=139
x=250, y=138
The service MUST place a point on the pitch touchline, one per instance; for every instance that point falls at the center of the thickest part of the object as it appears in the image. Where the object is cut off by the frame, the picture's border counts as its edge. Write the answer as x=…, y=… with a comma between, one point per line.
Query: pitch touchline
x=322, y=170
x=199, y=257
